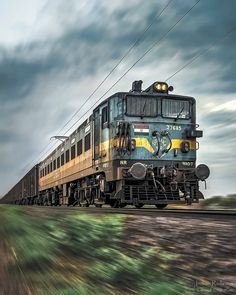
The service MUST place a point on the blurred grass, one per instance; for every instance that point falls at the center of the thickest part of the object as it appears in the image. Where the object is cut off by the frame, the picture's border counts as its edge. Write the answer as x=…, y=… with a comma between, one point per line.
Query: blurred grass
x=221, y=202
x=84, y=254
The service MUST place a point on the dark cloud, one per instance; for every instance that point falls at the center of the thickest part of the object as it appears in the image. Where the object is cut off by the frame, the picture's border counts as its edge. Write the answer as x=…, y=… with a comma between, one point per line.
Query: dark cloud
x=223, y=118
x=85, y=50
x=19, y=72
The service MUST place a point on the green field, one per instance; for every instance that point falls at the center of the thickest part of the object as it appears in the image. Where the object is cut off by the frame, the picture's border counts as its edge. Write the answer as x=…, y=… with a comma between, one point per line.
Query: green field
x=73, y=253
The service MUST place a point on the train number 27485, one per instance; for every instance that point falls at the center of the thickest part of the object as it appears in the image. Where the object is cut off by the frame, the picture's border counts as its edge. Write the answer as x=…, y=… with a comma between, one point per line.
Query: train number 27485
x=174, y=127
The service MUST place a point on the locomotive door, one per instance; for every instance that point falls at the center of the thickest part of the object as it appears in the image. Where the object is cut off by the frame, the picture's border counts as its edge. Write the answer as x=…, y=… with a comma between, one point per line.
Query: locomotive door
x=101, y=135
x=97, y=125
x=104, y=146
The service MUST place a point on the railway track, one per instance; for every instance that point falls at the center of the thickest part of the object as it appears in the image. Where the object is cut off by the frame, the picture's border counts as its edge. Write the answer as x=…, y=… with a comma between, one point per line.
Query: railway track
x=191, y=213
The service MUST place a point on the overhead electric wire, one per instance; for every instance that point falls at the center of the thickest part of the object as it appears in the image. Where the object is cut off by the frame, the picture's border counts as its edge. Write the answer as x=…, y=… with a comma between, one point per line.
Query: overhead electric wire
x=134, y=64
x=137, y=41
x=119, y=62
x=201, y=53
x=140, y=58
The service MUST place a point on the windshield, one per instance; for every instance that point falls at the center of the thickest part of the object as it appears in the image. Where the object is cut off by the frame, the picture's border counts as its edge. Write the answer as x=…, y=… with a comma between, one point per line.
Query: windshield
x=141, y=106
x=178, y=109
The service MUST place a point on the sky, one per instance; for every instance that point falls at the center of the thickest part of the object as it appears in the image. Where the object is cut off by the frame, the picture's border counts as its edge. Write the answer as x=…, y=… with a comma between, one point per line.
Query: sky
x=53, y=54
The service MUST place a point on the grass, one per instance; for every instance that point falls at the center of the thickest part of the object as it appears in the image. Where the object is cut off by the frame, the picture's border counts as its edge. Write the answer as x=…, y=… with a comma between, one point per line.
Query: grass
x=226, y=202
x=84, y=254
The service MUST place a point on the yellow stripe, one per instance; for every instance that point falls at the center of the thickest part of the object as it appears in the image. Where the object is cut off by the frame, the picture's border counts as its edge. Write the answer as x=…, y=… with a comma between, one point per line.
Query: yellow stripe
x=85, y=160
x=143, y=142
x=176, y=144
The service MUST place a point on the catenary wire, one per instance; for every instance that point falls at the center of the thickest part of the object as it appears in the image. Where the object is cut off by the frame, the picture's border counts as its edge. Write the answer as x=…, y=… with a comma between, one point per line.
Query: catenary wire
x=120, y=61
x=202, y=52
x=134, y=64
x=137, y=41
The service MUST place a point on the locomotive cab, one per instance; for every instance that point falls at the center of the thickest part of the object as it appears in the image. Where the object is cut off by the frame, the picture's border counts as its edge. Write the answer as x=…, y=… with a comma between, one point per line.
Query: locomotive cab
x=151, y=141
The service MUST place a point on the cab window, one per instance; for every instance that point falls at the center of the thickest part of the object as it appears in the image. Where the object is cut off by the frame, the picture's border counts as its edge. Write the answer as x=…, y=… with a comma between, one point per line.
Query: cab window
x=172, y=108
x=141, y=106
x=104, y=118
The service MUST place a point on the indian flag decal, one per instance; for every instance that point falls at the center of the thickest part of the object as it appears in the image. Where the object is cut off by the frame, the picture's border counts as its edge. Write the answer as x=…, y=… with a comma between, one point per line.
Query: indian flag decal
x=141, y=128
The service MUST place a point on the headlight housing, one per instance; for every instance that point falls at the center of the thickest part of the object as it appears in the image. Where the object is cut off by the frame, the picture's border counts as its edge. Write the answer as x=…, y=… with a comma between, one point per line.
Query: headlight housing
x=138, y=171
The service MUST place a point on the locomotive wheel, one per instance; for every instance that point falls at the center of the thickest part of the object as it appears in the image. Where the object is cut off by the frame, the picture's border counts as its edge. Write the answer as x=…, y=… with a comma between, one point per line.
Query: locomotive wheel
x=161, y=206
x=139, y=206
x=115, y=203
x=84, y=204
x=83, y=201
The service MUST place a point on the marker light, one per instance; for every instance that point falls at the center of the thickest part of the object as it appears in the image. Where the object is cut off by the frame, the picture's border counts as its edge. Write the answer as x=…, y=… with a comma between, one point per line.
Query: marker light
x=185, y=147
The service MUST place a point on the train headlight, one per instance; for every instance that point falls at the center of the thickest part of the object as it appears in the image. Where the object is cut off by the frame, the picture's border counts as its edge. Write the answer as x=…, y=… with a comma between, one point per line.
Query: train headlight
x=157, y=86
x=138, y=171
x=164, y=87
x=160, y=87
x=202, y=172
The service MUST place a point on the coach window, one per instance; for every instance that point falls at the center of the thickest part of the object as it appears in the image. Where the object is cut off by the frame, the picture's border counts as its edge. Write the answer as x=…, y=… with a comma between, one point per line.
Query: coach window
x=67, y=156
x=120, y=110
x=72, y=152
x=51, y=167
x=54, y=165
x=87, y=142
x=58, y=162
x=104, y=118
x=62, y=159
x=79, y=147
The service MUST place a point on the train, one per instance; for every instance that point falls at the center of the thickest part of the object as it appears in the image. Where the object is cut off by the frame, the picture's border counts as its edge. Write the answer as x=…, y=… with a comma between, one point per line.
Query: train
x=136, y=148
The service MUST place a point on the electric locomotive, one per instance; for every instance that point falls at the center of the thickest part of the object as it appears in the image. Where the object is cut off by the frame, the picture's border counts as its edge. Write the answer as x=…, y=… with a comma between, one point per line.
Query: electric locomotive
x=137, y=147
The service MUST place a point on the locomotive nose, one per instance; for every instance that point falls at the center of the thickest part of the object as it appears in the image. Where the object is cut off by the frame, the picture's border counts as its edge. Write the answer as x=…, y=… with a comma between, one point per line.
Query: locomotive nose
x=138, y=171
x=202, y=172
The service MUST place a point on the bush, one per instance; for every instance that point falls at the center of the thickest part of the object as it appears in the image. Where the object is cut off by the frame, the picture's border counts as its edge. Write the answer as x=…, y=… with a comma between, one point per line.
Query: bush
x=224, y=202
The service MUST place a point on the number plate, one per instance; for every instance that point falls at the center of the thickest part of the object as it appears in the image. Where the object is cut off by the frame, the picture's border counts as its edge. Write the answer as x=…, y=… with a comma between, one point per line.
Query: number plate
x=174, y=127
